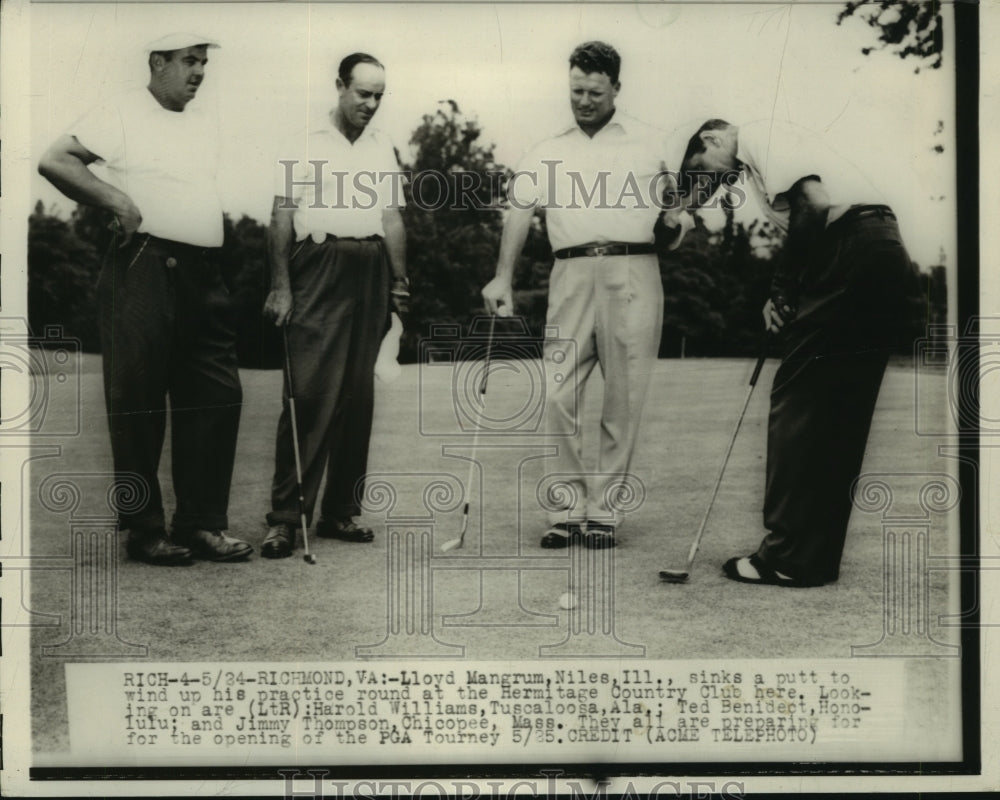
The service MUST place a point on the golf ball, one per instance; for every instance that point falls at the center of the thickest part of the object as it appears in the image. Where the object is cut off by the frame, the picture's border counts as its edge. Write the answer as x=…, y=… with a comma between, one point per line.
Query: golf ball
x=567, y=601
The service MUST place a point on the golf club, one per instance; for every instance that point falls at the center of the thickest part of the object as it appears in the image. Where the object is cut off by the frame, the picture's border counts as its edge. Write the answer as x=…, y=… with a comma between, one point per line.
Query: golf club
x=681, y=576
x=308, y=557
x=454, y=544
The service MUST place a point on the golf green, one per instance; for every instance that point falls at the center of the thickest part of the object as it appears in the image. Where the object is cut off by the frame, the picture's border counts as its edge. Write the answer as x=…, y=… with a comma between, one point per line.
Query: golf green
x=288, y=610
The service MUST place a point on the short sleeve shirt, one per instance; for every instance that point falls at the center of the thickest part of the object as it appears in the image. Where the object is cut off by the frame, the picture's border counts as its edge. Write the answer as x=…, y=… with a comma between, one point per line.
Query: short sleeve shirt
x=776, y=155
x=339, y=187
x=164, y=160
x=605, y=188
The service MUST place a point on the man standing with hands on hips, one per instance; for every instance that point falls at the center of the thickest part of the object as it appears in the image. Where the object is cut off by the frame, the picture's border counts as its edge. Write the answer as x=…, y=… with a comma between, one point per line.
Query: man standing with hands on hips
x=166, y=321
x=338, y=258
x=601, y=181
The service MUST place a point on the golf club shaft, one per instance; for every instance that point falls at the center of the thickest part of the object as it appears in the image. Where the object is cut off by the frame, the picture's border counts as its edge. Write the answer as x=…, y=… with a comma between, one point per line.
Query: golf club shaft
x=475, y=435
x=295, y=439
x=729, y=450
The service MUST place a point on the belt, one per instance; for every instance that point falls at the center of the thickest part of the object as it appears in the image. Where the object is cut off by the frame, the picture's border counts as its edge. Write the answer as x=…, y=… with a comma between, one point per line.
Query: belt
x=863, y=212
x=330, y=237
x=609, y=249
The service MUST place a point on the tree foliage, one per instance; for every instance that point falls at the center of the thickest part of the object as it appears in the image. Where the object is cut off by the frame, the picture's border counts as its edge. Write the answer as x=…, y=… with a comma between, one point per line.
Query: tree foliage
x=908, y=29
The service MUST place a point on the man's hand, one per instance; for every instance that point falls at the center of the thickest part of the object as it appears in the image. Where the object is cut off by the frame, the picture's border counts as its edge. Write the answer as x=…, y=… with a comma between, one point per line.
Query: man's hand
x=499, y=297
x=278, y=306
x=399, y=296
x=126, y=221
x=778, y=310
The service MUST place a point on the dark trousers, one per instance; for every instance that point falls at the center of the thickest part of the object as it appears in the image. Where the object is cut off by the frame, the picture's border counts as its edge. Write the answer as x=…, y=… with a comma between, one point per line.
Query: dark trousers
x=340, y=291
x=167, y=330
x=854, y=301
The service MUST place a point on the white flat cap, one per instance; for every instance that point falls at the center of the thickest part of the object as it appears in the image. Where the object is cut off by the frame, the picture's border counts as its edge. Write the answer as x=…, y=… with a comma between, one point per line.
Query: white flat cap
x=178, y=41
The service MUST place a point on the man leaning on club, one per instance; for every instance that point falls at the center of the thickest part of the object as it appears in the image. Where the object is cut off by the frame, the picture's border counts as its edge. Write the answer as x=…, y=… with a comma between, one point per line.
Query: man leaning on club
x=839, y=299
x=338, y=260
x=166, y=322
x=600, y=181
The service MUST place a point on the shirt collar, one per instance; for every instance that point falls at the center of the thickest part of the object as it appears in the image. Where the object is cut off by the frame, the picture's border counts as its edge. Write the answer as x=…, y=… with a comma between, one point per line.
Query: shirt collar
x=620, y=120
x=327, y=127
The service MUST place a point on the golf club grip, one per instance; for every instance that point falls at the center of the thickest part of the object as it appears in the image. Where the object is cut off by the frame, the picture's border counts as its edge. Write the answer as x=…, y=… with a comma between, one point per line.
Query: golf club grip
x=764, y=342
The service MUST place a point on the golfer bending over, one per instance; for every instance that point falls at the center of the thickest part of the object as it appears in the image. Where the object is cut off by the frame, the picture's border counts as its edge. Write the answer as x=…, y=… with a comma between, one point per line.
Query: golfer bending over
x=601, y=182
x=839, y=297
x=338, y=255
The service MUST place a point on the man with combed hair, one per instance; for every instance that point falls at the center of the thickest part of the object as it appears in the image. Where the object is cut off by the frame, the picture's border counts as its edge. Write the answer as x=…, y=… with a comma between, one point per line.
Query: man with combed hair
x=338, y=259
x=166, y=322
x=840, y=298
x=601, y=182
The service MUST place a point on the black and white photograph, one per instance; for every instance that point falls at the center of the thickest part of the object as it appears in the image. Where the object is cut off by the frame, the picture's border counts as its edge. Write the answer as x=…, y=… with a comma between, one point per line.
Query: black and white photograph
x=488, y=399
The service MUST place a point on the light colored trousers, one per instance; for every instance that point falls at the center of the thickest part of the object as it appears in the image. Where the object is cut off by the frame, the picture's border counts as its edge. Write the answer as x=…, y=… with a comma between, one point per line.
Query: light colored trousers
x=610, y=308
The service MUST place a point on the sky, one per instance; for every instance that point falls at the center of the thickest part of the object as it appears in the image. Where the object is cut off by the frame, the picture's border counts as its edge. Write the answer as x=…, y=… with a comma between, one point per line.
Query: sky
x=506, y=65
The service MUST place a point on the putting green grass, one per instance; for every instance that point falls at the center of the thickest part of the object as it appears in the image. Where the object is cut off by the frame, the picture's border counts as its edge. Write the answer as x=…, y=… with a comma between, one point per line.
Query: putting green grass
x=290, y=611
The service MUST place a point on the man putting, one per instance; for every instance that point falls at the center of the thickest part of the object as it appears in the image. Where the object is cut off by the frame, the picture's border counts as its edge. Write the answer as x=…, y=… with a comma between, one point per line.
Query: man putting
x=601, y=182
x=338, y=255
x=166, y=322
x=840, y=298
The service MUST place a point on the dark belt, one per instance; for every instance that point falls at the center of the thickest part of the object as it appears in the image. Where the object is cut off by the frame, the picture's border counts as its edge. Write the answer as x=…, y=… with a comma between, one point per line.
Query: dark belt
x=333, y=238
x=864, y=212
x=609, y=249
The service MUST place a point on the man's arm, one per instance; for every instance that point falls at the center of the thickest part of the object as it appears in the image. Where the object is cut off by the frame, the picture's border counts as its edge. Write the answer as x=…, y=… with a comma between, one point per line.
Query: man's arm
x=809, y=204
x=64, y=165
x=676, y=216
x=395, y=248
x=280, y=234
x=498, y=293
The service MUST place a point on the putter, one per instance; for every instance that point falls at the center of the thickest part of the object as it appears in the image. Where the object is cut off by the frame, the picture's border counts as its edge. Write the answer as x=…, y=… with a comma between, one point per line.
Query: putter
x=454, y=544
x=309, y=558
x=681, y=576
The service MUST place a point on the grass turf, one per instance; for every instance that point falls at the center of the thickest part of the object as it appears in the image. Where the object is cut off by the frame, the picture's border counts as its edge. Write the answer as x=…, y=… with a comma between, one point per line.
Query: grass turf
x=289, y=611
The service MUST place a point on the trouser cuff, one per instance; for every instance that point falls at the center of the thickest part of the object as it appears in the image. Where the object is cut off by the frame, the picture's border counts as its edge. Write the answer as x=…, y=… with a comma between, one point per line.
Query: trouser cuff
x=200, y=522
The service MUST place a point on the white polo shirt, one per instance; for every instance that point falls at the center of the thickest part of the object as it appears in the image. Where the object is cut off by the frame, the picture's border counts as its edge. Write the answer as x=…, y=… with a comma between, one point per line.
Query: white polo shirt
x=777, y=154
x=605, y=188
x=164, y=160
x=347, y=188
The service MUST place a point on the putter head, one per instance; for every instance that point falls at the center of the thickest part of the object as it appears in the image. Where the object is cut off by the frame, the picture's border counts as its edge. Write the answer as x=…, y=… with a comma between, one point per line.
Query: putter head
x=309, y=558
x=674, y=575
x=451, y=544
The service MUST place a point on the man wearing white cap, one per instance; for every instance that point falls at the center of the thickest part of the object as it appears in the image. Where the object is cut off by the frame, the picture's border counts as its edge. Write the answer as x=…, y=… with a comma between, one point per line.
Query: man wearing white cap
x=165, y=317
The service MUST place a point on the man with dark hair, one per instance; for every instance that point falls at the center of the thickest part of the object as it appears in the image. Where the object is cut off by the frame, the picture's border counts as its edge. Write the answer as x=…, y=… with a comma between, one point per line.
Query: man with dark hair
x=840, y=298
x=166, y=321
x=601, y=182
x=338, y=256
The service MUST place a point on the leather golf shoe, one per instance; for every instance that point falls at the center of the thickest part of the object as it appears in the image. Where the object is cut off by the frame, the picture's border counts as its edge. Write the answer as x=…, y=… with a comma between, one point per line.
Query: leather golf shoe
x=599, y=537
x=279, y=542
x=153, y=547
x=214, y=545
x=347, y=530
x=561, y=534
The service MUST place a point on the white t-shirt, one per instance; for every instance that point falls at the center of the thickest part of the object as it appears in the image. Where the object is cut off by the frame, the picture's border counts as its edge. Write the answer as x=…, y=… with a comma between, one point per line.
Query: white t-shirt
x=345, y=192
x=164, y=160
x=605, y=188
x=777, y=154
